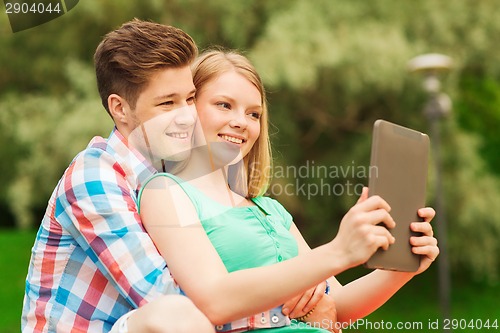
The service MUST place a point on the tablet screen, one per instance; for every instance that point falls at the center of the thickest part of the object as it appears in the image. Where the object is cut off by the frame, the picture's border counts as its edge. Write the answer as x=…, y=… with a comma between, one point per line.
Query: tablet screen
x=398, y=173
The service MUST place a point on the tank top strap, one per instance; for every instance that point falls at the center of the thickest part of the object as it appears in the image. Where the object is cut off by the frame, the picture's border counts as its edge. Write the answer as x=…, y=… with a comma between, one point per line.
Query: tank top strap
x=190, y=192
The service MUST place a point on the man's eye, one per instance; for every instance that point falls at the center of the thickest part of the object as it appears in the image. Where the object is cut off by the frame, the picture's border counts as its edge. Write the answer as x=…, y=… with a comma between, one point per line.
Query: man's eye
x=191, y=100
x=167, y=103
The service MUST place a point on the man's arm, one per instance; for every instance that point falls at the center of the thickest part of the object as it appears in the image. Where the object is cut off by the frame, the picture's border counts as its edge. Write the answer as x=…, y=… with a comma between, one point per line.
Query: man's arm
x=97, y=206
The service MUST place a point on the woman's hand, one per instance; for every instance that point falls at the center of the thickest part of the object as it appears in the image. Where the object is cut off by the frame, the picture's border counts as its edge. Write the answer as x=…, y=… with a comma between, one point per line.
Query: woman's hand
x=426, y=243
x=361, y=233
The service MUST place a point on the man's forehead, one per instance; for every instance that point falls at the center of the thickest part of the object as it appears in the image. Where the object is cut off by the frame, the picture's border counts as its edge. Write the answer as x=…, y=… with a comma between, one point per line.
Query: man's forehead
x=169, y=83
x=174, y=95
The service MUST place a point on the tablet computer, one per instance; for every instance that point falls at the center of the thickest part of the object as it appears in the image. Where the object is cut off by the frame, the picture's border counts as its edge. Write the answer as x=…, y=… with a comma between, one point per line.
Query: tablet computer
x=398, y=174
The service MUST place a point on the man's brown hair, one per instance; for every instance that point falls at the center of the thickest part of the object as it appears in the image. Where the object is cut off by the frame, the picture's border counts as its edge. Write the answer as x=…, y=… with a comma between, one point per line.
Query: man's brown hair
x=127, y=57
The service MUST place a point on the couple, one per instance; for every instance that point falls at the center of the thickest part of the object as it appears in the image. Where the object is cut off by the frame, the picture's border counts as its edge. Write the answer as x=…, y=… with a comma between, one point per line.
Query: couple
x=234, y=253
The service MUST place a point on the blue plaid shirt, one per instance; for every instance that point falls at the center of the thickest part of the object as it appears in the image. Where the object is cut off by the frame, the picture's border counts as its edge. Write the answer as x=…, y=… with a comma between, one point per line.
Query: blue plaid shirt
x=92, y=260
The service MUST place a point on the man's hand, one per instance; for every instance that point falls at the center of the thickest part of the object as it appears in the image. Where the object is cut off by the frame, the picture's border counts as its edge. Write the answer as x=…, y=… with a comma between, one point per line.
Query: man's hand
x=302, y=304
x=325, y=315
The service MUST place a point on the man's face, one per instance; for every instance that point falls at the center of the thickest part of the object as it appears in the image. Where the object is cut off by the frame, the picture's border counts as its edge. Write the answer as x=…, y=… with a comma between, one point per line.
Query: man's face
x=163, y=120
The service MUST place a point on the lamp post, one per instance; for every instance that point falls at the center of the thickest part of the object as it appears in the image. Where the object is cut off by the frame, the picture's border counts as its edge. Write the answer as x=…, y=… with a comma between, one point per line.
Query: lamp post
x=437, y=107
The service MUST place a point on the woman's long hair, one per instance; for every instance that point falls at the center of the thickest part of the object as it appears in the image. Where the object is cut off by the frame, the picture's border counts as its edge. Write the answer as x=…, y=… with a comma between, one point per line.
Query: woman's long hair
x=255, y=177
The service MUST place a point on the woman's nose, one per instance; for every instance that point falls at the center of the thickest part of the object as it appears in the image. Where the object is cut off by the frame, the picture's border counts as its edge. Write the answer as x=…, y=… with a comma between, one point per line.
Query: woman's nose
x=239, y=120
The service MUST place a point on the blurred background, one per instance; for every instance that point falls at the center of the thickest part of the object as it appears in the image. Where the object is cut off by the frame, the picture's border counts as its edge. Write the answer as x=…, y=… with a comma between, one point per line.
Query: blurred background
x=331, y=68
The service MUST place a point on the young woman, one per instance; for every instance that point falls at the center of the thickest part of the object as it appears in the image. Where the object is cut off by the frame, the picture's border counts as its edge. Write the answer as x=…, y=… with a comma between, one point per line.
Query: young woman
x=236, y=253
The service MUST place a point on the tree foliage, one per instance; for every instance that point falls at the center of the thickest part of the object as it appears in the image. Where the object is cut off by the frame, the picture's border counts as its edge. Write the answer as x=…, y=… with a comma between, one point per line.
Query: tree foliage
x=331, y=68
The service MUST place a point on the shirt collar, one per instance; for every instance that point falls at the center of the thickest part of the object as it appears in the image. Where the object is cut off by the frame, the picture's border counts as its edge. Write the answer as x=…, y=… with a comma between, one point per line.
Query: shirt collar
x=136, y=167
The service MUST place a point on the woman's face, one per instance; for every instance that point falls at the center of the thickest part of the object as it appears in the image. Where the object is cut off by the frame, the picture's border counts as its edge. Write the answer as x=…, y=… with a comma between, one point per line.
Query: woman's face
x=229, y=109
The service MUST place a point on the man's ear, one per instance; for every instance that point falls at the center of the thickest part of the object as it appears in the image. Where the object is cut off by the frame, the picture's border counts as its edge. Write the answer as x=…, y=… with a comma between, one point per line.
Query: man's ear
x=118, y=108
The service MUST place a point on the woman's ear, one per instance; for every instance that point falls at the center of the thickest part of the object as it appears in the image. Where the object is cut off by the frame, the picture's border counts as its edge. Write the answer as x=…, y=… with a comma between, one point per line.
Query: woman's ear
x=118, y=108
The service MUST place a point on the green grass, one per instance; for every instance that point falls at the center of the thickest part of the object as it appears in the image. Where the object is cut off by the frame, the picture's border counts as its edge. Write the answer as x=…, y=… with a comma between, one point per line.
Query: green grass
x=417, y=302
x=14, y=261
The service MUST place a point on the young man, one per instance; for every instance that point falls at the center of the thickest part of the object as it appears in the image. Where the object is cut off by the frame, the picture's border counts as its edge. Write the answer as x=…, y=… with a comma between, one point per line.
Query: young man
x=92, y=262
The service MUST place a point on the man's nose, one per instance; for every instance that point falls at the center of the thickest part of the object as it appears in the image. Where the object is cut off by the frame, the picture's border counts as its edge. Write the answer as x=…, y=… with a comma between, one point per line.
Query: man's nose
x=186, y=116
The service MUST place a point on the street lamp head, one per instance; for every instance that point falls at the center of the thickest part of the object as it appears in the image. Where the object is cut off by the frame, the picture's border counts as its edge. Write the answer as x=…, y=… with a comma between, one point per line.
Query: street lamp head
x=430, y=65
x=431, y=62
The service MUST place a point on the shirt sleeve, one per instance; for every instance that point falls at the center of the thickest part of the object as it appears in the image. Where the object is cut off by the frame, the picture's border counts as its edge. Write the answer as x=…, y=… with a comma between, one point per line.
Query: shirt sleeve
x=98, y=208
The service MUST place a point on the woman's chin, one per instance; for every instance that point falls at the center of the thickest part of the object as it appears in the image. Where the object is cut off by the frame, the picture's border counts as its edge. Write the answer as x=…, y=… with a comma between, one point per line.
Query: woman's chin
x=225, y=153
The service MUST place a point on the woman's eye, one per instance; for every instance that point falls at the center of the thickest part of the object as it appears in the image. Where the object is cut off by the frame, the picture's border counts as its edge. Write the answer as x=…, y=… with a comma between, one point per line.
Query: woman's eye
x=191, y=100
x=255, y=115
x=167, y=103
x=224, y=105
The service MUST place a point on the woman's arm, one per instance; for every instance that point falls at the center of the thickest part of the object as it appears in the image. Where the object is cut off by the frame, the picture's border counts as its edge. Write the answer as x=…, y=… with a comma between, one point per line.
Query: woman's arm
x=301, y=304
x=172, y=223
x=363, y=296
x=366, y=294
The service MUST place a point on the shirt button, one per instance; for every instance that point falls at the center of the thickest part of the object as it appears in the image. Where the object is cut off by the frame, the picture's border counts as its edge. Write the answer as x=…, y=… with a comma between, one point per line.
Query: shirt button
x=219, y=327
x=275, y=319
x=263, y=320
x=280, y=258
x=277, y=245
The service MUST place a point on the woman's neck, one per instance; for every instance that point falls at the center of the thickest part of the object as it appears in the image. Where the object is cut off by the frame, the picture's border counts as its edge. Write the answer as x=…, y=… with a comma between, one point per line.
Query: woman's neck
x=211, y=180
x=200, y=166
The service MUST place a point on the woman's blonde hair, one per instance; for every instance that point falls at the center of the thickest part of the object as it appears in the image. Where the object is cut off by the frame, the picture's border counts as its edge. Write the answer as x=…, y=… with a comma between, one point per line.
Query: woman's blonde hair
x=210, y=65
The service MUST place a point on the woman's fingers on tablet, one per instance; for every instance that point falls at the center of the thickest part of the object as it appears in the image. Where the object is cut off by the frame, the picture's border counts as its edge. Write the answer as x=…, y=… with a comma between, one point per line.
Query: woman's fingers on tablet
x=430, y=251
x=426, y=244
x=422, y=227
x=372, y=203
x=364, y=195
x=381, y=216
x=427, y=213
x=383, y=237
x=421, y=241
x=373, y=210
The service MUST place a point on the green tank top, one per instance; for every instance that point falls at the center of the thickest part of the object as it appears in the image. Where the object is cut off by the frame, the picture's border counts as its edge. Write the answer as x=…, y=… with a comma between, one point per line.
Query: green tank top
x=246, y=237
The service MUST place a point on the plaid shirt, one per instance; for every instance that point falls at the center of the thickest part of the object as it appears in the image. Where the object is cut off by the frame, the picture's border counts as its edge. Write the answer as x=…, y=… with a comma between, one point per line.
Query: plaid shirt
x=92, y=261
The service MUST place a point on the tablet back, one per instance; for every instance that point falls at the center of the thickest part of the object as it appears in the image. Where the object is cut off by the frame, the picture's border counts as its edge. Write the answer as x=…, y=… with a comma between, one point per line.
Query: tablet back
x=398, y=173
